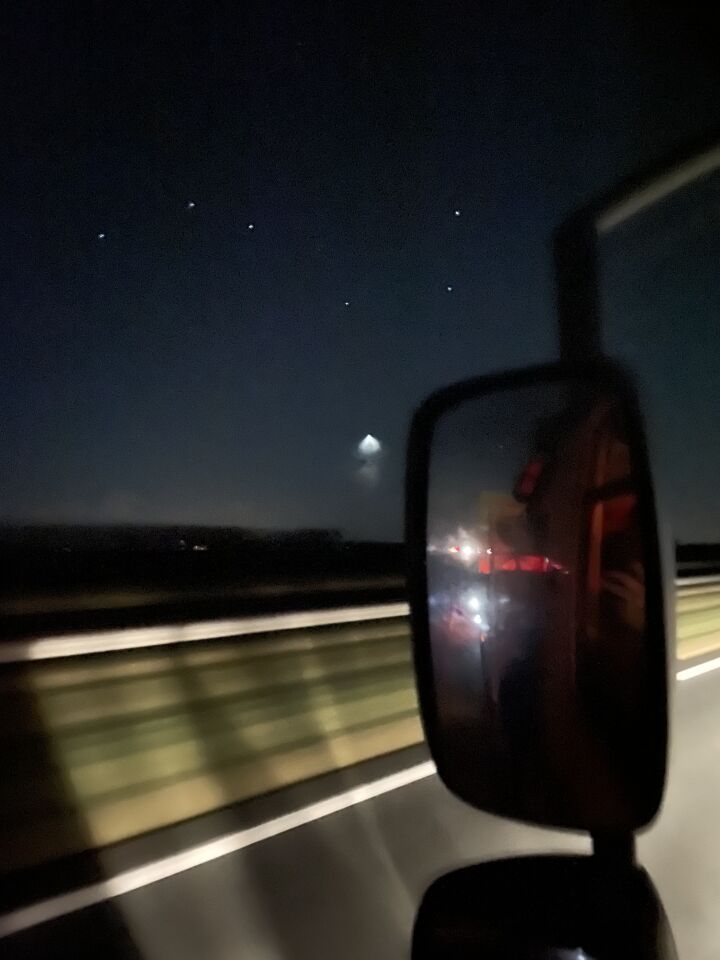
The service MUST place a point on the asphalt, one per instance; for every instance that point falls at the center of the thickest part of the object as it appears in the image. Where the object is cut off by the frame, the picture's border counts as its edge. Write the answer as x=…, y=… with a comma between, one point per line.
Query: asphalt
x=348, y=885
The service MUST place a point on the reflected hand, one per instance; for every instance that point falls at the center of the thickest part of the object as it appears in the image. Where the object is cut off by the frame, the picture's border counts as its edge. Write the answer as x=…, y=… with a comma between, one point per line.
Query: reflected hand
x=629, y=587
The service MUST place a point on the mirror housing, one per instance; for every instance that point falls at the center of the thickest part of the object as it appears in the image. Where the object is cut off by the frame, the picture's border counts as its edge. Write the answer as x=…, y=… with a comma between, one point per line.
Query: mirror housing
x=543, y=908
x=536, y=597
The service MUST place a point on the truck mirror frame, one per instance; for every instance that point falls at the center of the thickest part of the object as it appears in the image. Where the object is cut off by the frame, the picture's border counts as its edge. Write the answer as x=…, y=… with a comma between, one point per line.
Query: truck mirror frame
x=601, y=373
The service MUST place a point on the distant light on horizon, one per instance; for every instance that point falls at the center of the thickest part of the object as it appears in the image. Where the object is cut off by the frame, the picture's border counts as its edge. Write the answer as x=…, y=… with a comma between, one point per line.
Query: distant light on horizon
x=369, y=446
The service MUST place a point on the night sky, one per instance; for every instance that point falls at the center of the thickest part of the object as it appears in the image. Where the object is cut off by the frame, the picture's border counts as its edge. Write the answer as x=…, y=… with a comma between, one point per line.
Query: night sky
x=239, y=237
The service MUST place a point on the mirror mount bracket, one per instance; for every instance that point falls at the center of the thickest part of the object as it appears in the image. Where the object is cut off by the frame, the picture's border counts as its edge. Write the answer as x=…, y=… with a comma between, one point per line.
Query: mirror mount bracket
x=615, y=848
x=578, y=311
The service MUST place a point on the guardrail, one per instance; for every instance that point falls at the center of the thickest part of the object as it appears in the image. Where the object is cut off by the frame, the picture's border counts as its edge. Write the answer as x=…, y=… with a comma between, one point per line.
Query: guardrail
x=105, y=747
x=165, y=723
x=144, y=638
x=698, y=616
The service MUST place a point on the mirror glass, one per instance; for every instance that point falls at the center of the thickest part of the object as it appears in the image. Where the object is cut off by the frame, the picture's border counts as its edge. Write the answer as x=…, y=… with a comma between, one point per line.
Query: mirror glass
x=547, y=695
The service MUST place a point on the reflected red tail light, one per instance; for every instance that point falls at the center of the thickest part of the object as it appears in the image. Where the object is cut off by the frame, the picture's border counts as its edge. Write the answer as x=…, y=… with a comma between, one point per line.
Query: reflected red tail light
x=525, y=563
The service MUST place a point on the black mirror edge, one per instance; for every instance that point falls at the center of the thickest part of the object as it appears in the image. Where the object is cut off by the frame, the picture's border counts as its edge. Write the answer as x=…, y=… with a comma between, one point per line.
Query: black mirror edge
x=529, y=907
x=600, y=370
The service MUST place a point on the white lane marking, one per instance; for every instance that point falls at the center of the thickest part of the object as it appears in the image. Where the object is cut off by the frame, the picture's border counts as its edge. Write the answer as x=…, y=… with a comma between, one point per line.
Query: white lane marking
x=707, y=666
x=108, y=641
x=129, y=880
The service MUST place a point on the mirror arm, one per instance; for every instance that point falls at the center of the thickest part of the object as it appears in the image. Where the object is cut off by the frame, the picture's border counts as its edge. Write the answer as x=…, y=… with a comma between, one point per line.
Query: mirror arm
x=616, y=848
x=575, y=254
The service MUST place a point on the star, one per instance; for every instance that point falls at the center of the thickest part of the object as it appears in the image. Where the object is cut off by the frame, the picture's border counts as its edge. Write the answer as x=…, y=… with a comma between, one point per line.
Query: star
x=251, y=226
x=347, y=303
x=457, y=213
x=190, y=205
x=448, y=288
x=101, y=236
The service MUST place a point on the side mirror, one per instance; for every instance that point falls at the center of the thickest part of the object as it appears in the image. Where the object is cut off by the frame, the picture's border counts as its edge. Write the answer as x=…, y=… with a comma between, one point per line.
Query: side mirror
x=543, y=908
x=536, y=597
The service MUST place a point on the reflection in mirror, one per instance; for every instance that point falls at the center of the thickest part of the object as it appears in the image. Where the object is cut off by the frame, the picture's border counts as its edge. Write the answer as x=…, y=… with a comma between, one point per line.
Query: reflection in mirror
x=544, y=694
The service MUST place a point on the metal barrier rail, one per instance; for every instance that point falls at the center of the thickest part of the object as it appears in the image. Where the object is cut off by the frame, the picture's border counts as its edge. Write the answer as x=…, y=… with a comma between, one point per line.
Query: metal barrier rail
x=141, y=638
x=157, y=727
x=107, y=747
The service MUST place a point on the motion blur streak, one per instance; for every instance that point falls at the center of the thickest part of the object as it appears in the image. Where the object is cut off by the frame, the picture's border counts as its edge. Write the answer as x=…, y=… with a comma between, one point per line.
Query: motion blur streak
x=107, y=641
x=170, y=866
x=699, y=669
x=147, y=738
x=161, y=869
x=681, y=176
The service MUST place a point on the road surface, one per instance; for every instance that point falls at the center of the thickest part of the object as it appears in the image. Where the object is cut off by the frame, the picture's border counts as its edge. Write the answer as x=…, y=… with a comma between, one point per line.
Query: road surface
x=347, y=884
